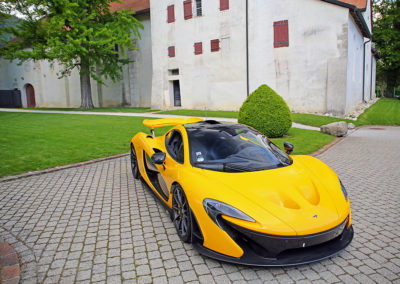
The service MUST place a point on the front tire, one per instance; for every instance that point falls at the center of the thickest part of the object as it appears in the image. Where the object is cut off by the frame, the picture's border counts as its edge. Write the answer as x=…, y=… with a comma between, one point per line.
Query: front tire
x=134, y=163
x=181, y=214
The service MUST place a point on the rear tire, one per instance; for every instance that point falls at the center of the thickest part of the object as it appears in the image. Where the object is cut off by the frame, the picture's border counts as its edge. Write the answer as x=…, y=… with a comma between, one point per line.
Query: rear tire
x=134, y=163
x=181, y=214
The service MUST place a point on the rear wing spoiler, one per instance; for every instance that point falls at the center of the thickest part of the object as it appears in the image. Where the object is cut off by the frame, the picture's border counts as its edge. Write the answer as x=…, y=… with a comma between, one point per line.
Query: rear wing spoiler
x=163, y=122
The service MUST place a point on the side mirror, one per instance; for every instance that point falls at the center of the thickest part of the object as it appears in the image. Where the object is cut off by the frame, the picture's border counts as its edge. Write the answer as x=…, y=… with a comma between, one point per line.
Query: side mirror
x=158, y=158
x=288, y=147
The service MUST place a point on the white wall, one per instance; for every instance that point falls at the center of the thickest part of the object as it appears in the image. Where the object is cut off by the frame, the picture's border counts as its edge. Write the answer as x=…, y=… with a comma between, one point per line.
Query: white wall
x=49, y=90
x=308, y=72
x=213, y=80
x=140, y=71
x=355, y=68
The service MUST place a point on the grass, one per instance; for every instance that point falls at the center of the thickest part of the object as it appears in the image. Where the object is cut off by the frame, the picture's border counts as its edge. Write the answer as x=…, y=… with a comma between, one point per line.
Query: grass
x=100, y=109
x=383, y=112
x=316, y=120
x=35, y=141
x=304, y=141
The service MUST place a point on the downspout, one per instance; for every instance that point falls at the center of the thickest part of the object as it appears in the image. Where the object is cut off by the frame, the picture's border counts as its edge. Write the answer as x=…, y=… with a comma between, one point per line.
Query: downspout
x=247, y=47
x=363, y=87
x=372, y=70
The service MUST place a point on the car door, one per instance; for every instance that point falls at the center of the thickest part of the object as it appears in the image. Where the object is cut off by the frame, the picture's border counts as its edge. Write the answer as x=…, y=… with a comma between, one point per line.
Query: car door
x=174, y=158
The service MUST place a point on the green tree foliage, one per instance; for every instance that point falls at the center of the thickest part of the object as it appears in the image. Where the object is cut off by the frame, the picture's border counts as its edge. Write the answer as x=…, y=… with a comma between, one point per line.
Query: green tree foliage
x=386, y=35
x=79, y=34
x=267, y=112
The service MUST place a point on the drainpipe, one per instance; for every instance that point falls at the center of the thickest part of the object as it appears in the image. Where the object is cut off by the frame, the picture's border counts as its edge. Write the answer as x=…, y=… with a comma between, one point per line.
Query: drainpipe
x=247, y=46
x=372, y=69
x=363, y=87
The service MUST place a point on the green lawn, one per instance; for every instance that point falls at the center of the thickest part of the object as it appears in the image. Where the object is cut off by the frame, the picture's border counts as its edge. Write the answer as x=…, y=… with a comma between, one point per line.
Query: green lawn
x=35, y=141
x=100, y=109
x=316, y=120
x=305, y=141
x=383, y=112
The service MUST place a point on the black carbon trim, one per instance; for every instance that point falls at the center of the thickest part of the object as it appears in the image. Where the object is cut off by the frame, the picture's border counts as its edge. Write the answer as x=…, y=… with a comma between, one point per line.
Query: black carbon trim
x=272, y=245
x=286, y=258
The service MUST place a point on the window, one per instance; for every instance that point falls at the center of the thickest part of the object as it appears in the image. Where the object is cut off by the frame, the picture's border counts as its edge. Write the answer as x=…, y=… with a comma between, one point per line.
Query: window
x=187, y=9
x=171, y=14
x=171, y=51
x=173, y=72
x=174, y=145
x=223, y=5
x=198, y=48
x=199, y=11
x=281, y=34
x=214, y=45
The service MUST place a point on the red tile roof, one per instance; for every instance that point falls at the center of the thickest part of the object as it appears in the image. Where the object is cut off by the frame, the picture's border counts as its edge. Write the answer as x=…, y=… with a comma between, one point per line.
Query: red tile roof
x=360, y=4
x=137, y=5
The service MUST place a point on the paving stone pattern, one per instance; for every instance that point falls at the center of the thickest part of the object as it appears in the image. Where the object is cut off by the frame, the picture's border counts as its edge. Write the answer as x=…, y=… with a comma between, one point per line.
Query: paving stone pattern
x=96, y=224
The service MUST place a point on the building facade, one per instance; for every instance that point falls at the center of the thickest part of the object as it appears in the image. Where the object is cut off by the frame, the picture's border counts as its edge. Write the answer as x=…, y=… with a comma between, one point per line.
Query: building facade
x=315, y=54
x=198, y=54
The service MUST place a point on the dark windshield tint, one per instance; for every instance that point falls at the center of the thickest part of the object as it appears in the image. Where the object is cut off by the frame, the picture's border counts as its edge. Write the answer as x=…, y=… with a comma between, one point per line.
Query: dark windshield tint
x=233, y=148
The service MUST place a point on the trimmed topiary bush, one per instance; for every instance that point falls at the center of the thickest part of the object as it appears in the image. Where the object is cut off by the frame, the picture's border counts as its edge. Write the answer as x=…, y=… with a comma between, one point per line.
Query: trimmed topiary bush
x=267, y=112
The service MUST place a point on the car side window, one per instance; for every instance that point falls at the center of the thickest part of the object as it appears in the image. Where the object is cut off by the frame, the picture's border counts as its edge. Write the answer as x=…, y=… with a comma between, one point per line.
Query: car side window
x=174, y=145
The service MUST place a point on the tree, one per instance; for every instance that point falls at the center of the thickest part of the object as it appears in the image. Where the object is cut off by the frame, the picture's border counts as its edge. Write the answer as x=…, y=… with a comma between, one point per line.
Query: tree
x=79, y=34
x=387, y=38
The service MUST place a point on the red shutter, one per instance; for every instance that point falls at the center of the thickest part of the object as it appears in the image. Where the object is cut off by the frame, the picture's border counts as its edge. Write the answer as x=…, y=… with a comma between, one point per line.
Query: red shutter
x=214, y=45
x=171, y=14
x=187, y=9
x=171, y=51
x=223, y=5
x=281, y=33
x=198, y=48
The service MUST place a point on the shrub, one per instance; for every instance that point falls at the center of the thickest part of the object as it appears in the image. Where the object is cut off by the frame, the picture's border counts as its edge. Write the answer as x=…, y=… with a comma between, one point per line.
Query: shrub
x=267, y=112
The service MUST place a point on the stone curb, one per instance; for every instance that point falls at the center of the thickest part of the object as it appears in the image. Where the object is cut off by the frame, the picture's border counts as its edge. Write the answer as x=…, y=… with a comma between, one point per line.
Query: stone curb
x=9, y=265
x=36, y=173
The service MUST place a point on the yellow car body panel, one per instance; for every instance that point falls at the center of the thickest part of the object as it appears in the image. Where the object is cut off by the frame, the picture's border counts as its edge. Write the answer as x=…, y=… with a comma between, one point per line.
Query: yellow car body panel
x=301, y=199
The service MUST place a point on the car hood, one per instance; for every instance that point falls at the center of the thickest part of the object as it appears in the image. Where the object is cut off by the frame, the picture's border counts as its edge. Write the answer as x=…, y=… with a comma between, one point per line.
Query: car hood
x=306, y=195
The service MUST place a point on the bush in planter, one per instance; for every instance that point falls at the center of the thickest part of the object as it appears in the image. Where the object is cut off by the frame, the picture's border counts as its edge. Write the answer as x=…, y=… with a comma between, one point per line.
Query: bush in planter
x=267, y=112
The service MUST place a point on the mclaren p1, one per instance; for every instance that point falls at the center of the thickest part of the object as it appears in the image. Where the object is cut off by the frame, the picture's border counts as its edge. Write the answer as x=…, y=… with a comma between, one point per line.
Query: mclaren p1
x=237, y=197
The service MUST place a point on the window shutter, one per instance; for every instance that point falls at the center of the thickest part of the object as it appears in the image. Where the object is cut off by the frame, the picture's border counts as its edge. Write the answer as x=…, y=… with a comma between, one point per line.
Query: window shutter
x=223, y=5
x=187, y=9
x=198, y=48
x=214, y=45
x=171, y=14
x=171, y=51
x=281, y=33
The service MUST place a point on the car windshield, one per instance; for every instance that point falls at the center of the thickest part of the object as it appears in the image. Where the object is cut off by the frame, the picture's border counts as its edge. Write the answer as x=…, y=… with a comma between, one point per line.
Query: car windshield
x=233, y=148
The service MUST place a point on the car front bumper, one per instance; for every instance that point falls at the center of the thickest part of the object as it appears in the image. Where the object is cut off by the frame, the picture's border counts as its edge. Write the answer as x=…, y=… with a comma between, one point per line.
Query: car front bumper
x=268, y=250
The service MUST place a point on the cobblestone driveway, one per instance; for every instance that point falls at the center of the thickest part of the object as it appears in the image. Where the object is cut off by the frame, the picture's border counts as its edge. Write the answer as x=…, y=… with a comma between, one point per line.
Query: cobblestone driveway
x=95, y=223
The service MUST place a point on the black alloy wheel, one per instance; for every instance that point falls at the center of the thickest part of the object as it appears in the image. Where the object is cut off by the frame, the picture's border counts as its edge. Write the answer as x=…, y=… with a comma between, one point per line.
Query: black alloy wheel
x=181, y=214
x=134, y=163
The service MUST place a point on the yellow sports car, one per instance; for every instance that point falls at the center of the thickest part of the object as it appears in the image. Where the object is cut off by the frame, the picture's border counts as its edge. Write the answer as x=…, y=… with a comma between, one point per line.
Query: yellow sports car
x=239, y=198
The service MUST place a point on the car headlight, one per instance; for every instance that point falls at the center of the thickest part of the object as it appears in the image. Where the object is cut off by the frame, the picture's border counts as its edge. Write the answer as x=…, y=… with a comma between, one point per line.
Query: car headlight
x=343, y=190
x=216, y=208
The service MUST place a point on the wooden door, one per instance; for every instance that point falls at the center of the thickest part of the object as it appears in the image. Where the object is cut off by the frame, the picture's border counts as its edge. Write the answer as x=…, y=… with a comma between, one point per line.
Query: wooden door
x=30, y=96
